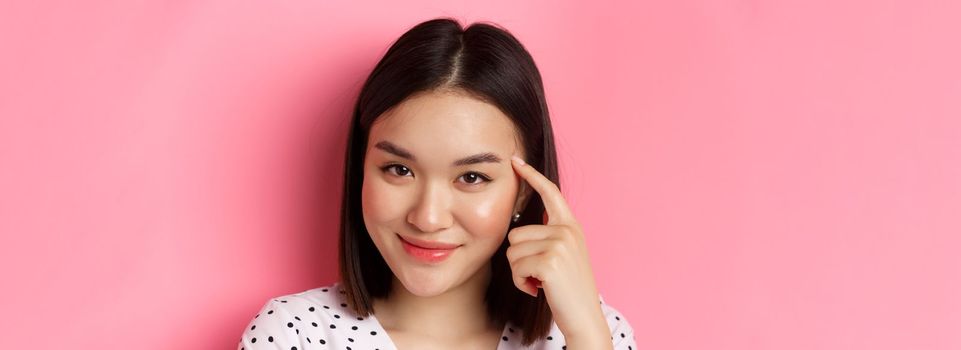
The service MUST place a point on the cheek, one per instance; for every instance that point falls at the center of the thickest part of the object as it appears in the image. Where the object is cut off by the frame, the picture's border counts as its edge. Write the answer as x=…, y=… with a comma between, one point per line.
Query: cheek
x=380, y=204
x=487, y=214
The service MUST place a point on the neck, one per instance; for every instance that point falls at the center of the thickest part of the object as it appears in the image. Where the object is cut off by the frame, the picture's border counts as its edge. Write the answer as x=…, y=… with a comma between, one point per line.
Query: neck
x=457, y=312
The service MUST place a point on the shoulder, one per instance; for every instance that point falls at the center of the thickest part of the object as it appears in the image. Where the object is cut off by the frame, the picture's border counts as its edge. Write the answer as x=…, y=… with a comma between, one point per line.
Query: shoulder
x=622, y=334
x=302, y=320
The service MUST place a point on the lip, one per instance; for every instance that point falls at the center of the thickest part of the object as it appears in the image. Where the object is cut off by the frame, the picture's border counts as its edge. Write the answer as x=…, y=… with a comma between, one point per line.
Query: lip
x=428, y=244
x=427, y=251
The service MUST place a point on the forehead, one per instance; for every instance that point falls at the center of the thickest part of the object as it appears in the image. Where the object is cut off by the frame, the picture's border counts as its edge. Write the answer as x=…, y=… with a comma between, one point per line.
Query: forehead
x=446, y=123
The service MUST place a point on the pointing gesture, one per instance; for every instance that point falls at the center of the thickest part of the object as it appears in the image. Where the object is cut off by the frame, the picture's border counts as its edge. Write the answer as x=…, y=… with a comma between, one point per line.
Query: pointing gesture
x=554, y=257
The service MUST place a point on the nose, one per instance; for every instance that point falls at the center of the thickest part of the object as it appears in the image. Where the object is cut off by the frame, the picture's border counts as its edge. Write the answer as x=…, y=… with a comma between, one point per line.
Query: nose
x=432, y=213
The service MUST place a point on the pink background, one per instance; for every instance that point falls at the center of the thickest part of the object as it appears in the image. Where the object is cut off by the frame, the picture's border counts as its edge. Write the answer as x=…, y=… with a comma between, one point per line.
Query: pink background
x=750, y=174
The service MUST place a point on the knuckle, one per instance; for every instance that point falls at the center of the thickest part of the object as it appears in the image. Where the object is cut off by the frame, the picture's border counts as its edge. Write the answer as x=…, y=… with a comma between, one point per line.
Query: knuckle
x=557, y=246
x=552, y=262
x=553, y=186
x=511, y=251
x=513, y=234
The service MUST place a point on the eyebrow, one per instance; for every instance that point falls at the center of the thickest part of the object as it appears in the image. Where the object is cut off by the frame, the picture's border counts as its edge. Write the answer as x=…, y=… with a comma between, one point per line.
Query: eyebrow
x=486, y=157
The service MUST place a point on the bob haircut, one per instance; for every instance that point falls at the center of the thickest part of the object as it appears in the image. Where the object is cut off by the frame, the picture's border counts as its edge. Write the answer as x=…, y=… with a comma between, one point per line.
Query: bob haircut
x=489, y=64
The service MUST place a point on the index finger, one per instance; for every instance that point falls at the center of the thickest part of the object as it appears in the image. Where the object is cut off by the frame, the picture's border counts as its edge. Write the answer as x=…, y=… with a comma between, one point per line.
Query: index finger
x=554, y=203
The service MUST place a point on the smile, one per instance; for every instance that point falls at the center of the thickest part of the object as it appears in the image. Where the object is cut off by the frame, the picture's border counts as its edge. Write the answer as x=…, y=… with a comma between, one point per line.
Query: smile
x=427, y=251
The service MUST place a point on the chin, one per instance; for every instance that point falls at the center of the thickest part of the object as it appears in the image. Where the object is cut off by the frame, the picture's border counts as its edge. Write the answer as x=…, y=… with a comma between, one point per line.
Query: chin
x=426, y=283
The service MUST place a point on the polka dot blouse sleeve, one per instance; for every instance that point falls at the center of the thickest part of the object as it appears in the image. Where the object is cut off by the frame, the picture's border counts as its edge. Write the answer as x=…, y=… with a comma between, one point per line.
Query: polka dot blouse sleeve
x=622, y=334
x=288, y=323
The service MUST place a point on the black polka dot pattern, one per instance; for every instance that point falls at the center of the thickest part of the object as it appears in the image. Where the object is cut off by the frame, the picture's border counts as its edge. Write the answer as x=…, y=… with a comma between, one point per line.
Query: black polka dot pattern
x=320, y=319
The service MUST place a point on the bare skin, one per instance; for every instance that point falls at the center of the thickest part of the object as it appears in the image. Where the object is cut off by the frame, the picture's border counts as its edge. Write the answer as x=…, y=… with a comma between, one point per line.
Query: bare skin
x=439, y=320
x=421, y=192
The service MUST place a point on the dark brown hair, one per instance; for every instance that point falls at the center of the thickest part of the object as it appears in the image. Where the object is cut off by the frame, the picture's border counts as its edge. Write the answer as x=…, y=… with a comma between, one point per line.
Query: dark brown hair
x=490, y=64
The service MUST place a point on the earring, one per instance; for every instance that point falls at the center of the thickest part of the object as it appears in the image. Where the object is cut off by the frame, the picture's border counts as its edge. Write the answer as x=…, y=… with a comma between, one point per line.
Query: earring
x=517, y=216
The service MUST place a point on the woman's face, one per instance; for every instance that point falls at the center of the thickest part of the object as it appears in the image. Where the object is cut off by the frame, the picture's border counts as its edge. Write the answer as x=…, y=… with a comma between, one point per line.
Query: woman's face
x=437, y=171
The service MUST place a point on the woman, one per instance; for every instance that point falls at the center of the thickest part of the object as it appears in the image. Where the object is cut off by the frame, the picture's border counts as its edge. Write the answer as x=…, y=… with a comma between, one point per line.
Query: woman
x=454, y=233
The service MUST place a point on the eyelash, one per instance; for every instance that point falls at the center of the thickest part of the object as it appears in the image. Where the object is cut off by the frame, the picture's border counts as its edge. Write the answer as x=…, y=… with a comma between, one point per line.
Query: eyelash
x=481, y=176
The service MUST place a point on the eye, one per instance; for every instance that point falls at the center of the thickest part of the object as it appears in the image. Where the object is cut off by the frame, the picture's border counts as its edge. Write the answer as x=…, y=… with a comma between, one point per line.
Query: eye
x=473, y=178
x=470, y=178
x=400, y=169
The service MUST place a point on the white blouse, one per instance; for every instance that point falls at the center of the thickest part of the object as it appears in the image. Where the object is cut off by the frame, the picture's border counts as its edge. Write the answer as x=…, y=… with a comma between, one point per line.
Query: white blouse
x=320, y=319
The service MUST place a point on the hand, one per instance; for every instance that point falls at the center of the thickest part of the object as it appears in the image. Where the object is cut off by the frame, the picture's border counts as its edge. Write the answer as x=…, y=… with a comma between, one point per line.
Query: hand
x=554, y=257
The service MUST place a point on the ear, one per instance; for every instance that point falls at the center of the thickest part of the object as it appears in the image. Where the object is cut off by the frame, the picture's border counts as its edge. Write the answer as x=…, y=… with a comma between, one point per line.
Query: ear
x=523, y=196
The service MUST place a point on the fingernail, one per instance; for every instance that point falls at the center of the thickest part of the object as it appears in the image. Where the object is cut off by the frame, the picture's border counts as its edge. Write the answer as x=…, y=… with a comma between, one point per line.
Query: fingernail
x=518, y=159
